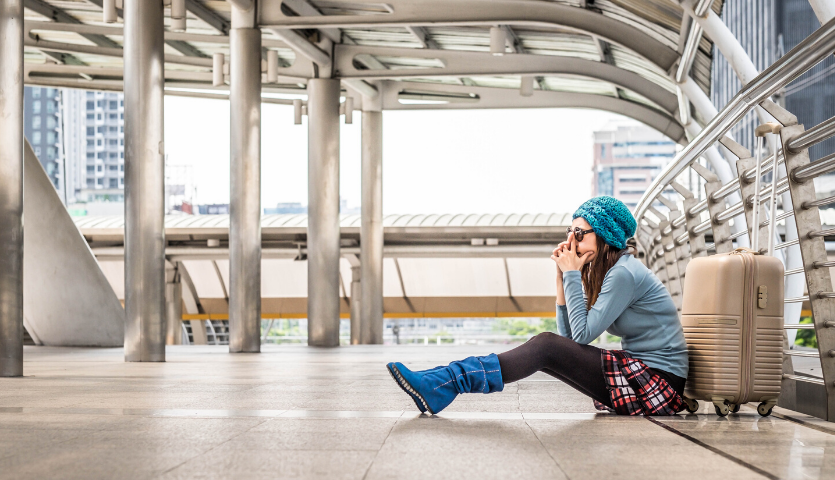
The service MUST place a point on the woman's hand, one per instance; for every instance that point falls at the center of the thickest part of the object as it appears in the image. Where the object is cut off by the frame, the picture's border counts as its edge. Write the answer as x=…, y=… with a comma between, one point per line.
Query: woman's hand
x=567, y=258
x=555, y=257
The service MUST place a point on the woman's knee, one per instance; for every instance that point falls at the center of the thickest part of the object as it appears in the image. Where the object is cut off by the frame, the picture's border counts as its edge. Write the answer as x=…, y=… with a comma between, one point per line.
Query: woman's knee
x=550, y=339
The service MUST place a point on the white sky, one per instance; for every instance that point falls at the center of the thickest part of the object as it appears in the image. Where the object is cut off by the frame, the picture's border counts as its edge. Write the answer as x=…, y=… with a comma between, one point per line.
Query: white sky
x=465, y=161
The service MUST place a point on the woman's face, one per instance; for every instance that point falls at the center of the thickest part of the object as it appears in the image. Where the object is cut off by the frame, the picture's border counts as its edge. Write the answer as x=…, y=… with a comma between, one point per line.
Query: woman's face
x=589, y=243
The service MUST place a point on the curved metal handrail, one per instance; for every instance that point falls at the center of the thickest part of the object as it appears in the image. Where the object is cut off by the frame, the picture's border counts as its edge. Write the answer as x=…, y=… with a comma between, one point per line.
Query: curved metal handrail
x=808, y=53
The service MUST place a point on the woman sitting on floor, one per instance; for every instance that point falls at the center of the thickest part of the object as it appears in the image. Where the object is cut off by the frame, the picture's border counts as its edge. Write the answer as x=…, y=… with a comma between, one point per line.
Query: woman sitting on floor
x=601, y=286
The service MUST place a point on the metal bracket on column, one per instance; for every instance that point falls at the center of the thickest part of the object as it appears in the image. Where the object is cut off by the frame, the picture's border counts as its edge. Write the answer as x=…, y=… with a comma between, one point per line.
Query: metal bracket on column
x=644, y=236
x=659, y=259
x=682, y=249
x=721, y=231
x=818, y=280
x=738, y=150
x=671, y=262
x=696, y=240
x=785, y=117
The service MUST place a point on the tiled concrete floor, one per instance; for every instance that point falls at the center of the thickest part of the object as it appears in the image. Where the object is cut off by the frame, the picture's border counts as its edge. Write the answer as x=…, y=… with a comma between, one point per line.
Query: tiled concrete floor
x=298, y=412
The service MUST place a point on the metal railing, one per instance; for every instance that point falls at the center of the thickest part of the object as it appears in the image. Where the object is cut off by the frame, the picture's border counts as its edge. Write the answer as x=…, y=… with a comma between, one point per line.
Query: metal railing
x=670, y=241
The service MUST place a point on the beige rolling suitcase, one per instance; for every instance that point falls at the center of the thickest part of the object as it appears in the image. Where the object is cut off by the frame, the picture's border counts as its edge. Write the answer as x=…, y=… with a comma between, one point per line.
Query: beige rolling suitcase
x=732, y=314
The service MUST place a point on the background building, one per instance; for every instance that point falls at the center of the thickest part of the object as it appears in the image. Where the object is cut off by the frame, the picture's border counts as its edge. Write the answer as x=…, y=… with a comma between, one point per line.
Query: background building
x=42, y=128
x=104, y=130
x=767, y=29
x=79, y=137
x=627, y=157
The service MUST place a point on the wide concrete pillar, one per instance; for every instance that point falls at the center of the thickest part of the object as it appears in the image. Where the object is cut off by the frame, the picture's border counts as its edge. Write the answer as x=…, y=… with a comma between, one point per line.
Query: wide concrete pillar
x=371, y=229
x=11, y=188
x=144, y=183
x=245, y=188
x=323, y=213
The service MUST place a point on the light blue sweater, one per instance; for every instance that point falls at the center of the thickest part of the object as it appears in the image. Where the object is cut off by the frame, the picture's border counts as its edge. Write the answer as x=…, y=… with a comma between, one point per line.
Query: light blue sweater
x=634, y=305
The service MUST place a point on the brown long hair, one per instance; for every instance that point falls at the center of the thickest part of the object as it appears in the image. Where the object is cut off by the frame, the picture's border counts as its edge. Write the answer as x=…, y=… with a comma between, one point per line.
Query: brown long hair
x=594, y=271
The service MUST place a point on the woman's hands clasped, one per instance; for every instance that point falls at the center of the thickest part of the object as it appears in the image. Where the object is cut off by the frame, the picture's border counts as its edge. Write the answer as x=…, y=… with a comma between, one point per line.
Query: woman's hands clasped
x=566, y=258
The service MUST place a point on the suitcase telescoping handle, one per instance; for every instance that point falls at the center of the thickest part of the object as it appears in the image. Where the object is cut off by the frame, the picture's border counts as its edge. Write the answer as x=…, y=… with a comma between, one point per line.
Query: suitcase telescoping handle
x=761, y=132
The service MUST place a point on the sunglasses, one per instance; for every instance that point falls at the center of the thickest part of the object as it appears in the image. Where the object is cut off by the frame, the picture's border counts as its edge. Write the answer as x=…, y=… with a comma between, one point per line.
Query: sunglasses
x=579, y=233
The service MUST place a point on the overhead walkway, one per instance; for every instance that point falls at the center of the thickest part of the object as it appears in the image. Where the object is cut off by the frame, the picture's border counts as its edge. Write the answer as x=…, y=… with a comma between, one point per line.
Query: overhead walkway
x=434, y=265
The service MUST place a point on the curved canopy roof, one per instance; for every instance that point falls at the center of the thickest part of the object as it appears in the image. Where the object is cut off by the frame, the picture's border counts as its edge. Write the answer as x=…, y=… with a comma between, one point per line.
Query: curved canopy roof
x=615, y=55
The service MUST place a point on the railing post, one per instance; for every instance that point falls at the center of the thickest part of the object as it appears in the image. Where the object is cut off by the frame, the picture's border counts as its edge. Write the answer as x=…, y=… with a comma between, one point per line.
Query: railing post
x=670, y=264
x=721, y=231
x=670, y=259
x=684, y=252
x=696, y=240
x=812, y=249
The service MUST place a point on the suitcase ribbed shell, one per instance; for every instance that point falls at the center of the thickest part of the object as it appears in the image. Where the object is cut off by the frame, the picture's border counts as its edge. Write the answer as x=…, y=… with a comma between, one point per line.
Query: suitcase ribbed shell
x=734, y=344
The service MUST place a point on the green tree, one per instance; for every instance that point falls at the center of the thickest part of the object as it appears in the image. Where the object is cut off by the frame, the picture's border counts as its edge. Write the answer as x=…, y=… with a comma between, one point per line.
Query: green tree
x=806, y=338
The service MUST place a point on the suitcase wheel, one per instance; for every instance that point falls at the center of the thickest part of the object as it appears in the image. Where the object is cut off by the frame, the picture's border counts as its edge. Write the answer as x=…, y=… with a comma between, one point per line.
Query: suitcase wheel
x=734, y=408
x=764, y=409
x=722, y=408
x=691, y=405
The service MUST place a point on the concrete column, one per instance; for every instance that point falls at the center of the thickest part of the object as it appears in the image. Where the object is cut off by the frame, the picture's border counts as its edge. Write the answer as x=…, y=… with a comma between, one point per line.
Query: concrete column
x=371, y=229
x=144, y=183
x=173, y=307
x=11, y=188
x=323, y=213
x=356, y=311
x=245, y=190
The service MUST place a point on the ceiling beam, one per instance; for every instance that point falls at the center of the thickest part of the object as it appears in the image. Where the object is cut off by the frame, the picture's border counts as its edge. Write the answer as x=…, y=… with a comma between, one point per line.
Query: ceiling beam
x=57, y=15
x=183, y=47
x=516, y=46
x=405, y=13
x=304, y=8
x=220, y=24
x=489, y=98
x=422, y=36
x=458, y=64
x=60, y=57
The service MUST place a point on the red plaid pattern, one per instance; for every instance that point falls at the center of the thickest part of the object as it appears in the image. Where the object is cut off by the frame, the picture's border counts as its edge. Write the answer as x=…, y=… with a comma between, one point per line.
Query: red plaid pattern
x=634, y=389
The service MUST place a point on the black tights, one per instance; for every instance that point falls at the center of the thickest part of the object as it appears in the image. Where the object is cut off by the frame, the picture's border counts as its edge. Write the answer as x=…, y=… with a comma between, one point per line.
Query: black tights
x=580, y=366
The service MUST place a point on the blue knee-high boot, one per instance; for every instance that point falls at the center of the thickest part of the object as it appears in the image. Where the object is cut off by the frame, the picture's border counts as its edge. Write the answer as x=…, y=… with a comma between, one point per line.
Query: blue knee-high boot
x=434, y=389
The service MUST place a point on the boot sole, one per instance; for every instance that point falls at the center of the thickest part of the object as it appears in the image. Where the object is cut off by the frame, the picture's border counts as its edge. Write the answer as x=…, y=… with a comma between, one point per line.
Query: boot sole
x=406, y=387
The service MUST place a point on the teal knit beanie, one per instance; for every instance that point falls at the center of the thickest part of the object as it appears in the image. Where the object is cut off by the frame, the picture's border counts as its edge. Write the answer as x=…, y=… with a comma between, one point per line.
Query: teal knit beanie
x=610, y=219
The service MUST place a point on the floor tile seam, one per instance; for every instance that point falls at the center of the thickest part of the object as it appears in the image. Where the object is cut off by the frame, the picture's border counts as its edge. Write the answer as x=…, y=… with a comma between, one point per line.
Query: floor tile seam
x=802, y=423
x=715, y=450
x=547, y=451
x=212, y=448
x=371, y=463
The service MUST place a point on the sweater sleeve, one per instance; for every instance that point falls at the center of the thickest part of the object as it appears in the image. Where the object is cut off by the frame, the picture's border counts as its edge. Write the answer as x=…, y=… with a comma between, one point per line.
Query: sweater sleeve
x=615, y=296
x=563, y=328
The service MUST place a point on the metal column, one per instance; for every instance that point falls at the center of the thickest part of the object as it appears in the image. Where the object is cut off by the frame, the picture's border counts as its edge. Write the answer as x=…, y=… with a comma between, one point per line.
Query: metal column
x=11, y=188
x=173, y=306
x=245, y=190
x=323, y=213
x=356, y=288
x=371, y=230
x=144, y=183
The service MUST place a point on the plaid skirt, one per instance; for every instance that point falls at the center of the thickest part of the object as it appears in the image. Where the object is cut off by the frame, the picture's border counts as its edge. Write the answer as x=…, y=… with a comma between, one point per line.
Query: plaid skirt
x=634, y=389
